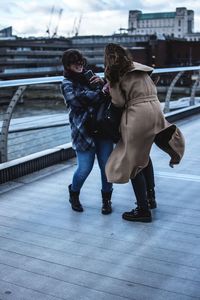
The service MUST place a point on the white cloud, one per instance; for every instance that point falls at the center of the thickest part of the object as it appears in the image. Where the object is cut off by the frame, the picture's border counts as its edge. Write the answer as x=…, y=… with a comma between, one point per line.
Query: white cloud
x=107, y=21
x=98, y=16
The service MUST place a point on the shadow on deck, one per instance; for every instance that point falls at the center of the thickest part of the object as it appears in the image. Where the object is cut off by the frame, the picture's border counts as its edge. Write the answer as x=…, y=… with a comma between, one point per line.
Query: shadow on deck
x=48, y=251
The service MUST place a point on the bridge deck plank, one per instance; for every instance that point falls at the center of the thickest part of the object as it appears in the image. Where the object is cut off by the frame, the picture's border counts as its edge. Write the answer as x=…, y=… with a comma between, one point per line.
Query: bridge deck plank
x=48, y=251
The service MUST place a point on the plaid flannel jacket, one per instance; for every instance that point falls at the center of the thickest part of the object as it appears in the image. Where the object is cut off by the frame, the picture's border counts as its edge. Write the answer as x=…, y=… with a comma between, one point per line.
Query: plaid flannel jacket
x=80, y=99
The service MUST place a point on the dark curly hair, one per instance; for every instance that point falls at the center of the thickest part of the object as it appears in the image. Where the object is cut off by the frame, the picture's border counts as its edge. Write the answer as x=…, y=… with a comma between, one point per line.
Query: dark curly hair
x=117, y=61
x=72, y=56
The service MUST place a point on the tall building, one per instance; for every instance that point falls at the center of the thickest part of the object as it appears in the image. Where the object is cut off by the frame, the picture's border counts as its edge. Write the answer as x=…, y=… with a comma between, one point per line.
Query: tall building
x=177, y=24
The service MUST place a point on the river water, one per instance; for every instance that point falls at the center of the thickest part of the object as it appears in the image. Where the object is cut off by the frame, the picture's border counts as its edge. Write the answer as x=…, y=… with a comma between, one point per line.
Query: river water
x=27, y=142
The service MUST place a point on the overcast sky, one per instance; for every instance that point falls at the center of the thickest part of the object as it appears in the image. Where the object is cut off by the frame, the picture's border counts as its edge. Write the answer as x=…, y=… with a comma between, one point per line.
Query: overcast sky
x=102, y=17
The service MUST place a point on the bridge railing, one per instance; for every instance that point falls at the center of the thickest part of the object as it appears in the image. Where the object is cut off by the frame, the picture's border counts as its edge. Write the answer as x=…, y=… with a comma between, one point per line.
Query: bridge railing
x=35, y=119
x=24, y=132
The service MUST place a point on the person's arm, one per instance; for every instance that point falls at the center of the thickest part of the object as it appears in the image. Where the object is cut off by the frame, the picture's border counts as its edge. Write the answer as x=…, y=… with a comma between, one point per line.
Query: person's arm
x=117, y=95
x=75, y=97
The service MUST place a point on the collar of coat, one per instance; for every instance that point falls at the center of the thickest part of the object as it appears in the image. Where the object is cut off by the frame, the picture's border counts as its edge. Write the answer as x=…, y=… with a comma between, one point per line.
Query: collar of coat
x=139, y=67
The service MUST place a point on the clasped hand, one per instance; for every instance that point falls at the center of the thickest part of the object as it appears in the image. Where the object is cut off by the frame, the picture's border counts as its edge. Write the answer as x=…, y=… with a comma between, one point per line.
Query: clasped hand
x=96, y=80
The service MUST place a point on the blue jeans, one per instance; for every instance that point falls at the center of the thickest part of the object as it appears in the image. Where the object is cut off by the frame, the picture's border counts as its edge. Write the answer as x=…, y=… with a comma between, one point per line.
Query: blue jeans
x=103, y=149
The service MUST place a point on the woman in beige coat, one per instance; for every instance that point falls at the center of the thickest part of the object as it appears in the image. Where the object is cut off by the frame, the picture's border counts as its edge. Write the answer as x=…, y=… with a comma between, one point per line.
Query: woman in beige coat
x=142, y=124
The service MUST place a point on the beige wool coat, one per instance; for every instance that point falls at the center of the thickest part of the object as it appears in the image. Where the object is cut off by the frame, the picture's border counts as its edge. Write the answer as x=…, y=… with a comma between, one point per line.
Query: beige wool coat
x=142, y=124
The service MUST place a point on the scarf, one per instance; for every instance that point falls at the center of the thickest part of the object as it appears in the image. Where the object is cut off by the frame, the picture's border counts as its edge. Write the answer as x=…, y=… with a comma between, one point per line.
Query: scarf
x=76, y=77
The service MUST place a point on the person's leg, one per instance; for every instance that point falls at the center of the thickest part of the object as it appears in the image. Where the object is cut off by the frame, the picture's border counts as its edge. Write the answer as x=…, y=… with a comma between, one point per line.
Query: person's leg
x=149, y=175
x=139, y=187
x=103, y=151
x=142, y=212
x=150, y=184
x=85, y=160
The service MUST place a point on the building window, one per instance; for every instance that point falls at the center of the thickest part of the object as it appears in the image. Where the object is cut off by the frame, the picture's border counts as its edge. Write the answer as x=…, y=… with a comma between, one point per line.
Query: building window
x=189, y=26
x=179, y=22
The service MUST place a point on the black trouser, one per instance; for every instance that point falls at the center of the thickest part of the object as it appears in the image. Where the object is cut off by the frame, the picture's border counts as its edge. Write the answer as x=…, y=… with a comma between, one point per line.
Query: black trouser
x=143, y=182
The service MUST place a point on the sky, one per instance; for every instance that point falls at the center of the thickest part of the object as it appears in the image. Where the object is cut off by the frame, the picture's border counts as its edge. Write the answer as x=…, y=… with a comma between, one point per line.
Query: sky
x=88, y=17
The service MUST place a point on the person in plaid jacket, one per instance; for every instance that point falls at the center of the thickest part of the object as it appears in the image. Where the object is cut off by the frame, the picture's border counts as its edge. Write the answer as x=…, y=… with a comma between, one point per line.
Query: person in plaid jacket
x=82, y=97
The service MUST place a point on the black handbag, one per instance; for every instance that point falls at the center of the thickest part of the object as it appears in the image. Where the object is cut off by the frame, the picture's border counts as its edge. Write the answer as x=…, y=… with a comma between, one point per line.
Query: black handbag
x=105, y=121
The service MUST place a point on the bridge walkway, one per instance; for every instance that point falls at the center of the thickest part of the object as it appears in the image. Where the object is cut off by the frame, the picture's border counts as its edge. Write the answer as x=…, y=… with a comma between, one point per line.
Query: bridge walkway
x=49, y=252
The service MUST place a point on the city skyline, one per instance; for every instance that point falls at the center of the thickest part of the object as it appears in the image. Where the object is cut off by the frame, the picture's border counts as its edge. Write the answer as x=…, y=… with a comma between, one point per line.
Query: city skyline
x=89, y=17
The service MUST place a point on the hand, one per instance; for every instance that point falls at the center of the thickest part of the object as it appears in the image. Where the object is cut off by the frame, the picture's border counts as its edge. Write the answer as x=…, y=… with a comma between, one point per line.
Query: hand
x=106, y=88
x=96, y=80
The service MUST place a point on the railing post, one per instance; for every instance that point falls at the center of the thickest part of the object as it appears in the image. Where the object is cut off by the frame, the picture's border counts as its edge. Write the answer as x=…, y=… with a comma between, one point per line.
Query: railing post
x=169, y=92
x=194, y=87
x=6, y=124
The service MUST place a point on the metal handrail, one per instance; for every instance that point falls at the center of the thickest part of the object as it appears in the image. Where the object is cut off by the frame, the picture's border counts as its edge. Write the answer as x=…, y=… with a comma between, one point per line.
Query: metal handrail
x=57, y=79
x=31, y=81
x=22, y=83
x=176, y=69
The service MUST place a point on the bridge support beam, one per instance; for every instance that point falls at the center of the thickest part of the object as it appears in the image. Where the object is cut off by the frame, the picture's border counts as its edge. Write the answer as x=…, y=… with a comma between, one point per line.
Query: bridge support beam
x=169, y=92
x=194, y=87
x=6, y=124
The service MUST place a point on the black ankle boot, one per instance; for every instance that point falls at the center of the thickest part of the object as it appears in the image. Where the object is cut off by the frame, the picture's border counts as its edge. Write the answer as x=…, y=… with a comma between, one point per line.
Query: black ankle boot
x=138, y=215
x=74, y=200
x=151, y=199
x=106, y=203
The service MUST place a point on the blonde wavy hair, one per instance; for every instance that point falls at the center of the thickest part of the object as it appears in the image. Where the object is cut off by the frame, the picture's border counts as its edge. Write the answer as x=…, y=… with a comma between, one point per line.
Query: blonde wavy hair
x=117, y=62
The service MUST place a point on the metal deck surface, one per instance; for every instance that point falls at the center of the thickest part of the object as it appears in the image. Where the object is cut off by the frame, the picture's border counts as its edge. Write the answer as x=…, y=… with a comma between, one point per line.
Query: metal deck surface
x=48, y=251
